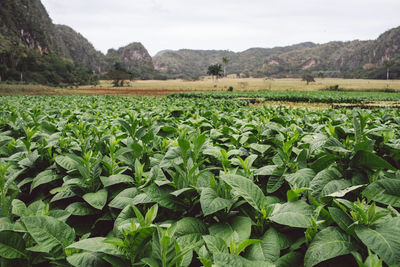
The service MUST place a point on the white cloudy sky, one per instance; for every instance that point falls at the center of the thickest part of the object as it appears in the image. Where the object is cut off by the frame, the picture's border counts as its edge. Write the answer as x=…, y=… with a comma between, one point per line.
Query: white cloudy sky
x=223, y=24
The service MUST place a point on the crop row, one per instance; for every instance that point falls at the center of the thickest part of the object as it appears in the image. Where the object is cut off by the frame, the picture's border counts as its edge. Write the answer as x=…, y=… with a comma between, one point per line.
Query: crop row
x=105, y=181
x=298, y=96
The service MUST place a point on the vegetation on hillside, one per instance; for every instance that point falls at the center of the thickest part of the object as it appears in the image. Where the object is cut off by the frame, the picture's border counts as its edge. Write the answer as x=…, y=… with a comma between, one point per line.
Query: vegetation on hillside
x=355, y=59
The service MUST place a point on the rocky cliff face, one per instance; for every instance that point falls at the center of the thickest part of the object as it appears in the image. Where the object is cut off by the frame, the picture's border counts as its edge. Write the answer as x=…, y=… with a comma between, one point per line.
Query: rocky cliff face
x=133, y=57
x=26, y=22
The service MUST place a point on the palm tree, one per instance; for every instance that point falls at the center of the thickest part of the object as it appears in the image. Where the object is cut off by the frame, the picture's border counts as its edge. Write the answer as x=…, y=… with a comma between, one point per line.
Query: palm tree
x=388, y=64
x=225, y=60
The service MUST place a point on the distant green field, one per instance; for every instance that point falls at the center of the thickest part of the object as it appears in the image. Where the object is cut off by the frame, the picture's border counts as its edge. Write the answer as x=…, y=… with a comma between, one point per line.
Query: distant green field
x=298, y=96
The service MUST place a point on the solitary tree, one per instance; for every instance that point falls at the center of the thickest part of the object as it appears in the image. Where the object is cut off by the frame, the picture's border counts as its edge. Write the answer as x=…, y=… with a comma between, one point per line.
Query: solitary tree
x=308, y=78
x=225, y=60
x=119, y=74
x=215, y=71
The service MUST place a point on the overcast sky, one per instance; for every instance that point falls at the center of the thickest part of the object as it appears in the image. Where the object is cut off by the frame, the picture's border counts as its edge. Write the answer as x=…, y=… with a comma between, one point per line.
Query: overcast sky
x=223, y=24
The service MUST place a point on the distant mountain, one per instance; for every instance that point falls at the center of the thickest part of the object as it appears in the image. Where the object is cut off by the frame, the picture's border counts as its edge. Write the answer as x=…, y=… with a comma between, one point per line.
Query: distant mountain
x=80, y=50
x=133, y=57
x=335, y=59
x=26, y=31
x=32, y=48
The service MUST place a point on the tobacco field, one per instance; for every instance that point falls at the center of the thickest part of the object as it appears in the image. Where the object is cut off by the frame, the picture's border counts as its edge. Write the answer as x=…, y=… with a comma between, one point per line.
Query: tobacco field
x=107, y=181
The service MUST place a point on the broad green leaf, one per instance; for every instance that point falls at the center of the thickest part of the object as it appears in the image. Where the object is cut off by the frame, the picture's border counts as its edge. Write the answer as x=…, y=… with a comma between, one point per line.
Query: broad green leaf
x=335, y=186
x=245, y=188
x=259, y=147
x=189, y=225
x=341, y=218
x=84, y=259
x=124, y=198
x=116, y=179
x=12, y=246
x=241, y=226
x=18, y=207
x=327, y=244
x=322, y=179
x=343, y=192
x=215, y=244
x=66, y=162
x=210, y=201
x=224, y=259
x=301, y=178
x=80, y=209
x=294, y=214
x=97, y=244
x=383, y=239
x=268, y=249
x=50, y=234
x=290, y=259
x=386, y=191
x=97, y=200
x=274, y=183
x=162, y=196
x=333, y=144
x=266, y=170
x=322, y=162
x=44, y=177
x=369, y=160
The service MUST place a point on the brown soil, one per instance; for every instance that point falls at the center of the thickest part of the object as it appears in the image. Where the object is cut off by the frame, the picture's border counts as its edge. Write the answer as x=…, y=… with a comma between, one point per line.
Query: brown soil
x=90, y=91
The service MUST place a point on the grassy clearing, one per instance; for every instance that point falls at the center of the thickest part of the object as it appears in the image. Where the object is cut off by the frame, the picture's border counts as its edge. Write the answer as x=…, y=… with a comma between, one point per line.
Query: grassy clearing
x=253, y=84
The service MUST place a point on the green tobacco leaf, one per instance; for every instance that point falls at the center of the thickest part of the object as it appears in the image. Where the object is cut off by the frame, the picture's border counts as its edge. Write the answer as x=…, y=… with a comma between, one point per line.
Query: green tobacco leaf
x=66, y=162
x=341, y=218
x=44, y=177
x=215, y=244
x=210, y=201
x=84, y=259
x=97, y=200
x=266, y=170
x=97, y=244
x=328, y=244
x=245, y=188
x=322, y=162
x=294, y=214
x=224, y=259
x=80, y=209
x=18, y=207
x=50, y=234
x=333, y=144
x=116, y=179
x=290, y=259
x=322, y=179
x=259, y=147
x=240, y=226
x=266, y=250
x=383, y=239
x=301, y=178
x=365, y=159
x=124, y=198
x=189, y=225
x=12, y=246
x=386, y=191
x=162, y=196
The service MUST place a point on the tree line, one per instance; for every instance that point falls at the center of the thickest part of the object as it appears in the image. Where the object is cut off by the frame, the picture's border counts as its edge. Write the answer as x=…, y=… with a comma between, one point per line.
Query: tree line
x=20, y=64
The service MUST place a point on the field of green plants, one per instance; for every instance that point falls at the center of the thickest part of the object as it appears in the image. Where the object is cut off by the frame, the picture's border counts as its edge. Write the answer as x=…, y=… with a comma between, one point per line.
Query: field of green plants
x=106, y=181
x=299, y=96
